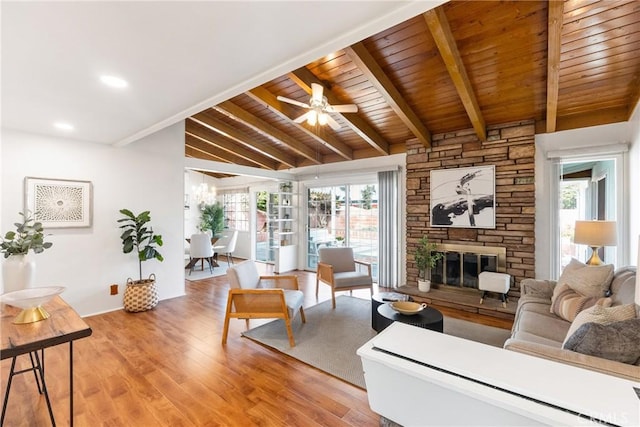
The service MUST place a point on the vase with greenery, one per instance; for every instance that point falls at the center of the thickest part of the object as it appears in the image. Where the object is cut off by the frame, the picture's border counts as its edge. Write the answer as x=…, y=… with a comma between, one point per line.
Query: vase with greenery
x=19, y=269
x=212, y=218
x=426, y=257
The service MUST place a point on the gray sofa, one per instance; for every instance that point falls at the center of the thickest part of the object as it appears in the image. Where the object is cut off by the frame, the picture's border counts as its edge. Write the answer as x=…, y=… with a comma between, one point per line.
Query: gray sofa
x=539, y=332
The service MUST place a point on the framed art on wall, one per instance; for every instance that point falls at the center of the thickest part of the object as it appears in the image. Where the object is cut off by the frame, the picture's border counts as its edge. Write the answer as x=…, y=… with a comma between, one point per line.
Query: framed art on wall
x=59, y=203
x=463, y=197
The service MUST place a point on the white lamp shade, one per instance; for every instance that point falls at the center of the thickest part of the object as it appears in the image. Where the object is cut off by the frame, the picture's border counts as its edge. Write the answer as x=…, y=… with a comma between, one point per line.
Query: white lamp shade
x=595, y=233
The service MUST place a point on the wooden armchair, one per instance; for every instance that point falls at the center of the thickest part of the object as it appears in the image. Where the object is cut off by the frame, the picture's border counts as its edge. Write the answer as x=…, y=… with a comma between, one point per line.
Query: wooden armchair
x=338, y=269
x=252, y=296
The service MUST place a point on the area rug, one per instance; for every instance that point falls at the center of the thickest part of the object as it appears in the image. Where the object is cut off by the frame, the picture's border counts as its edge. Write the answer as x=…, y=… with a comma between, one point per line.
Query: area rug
x=330, y=338
x=198, y=274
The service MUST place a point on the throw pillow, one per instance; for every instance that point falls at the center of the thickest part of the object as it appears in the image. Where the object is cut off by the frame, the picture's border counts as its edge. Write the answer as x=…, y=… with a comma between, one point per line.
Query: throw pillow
x=587, y=280
x=568, y=303
x=619, y=341
x=601, y=315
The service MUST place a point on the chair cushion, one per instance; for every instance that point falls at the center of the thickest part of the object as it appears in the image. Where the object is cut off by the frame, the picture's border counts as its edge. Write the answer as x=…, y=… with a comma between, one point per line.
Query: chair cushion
x=341, y=259
x=350, y=279
x=244, y=275
x=294, y=300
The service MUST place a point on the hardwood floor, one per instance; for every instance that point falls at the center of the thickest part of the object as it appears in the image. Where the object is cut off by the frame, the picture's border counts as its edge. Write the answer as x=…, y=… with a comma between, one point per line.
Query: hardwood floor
x=166, y=367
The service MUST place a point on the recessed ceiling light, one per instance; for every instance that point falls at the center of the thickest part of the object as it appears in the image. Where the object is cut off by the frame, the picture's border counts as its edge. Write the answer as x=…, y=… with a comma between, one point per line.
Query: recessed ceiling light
x=63, y=126
x=114, y=81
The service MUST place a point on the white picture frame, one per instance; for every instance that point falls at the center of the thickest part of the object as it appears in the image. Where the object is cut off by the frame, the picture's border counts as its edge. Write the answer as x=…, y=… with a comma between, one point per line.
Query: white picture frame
x=453, y=190
x=59, y=203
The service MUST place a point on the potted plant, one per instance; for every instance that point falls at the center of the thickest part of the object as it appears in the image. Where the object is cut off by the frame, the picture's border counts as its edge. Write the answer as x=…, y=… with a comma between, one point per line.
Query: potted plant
x=426, y=257
x=137, y=236
x=19, y=269
x=212, y=218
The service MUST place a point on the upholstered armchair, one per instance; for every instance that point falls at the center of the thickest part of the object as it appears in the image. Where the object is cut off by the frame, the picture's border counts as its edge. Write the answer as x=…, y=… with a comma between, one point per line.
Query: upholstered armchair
x=200, y=249
x=338, y=269
x=226, y=245
x=252, y=296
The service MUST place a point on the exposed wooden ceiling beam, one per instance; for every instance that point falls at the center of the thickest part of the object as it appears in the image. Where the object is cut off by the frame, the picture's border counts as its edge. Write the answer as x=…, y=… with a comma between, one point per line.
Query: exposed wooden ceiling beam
x=209, y=150
x=264, y=128
x=207, y=119
x=269, y=100
x=303, y=78
x=441, y=32
x=592, y=118
x=205, y=132
x=554, y=24
x=376, y=75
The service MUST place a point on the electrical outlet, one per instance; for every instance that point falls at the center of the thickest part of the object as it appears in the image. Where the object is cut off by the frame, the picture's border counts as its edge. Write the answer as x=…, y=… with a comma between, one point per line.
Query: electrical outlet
x=114, y=289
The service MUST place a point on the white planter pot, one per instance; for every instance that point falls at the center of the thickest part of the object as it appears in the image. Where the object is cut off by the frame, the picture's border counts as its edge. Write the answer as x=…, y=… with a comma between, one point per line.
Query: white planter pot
x=424, y=285
x=18, y=272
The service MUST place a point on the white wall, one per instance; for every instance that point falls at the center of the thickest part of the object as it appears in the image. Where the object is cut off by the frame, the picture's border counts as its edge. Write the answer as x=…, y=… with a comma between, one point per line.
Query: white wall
x=146, y=175
x=577, y=139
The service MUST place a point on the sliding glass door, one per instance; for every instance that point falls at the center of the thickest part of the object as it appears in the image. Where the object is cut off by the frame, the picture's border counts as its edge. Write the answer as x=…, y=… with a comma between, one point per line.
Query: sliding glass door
x=343, y=215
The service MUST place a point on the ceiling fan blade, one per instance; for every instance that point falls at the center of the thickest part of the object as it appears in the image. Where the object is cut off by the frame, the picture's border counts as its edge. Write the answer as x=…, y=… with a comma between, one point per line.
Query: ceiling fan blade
x=331, y=122
x=302, y=118
x=316, y=92
x=346, y=108
x=292, y=101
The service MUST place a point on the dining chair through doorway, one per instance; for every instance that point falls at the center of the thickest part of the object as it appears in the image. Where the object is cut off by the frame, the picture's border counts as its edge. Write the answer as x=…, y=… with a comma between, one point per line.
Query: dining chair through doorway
x=200, y=249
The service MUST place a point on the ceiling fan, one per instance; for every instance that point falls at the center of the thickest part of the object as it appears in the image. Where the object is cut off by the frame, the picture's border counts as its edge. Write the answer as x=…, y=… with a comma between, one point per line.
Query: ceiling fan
x=319, y=108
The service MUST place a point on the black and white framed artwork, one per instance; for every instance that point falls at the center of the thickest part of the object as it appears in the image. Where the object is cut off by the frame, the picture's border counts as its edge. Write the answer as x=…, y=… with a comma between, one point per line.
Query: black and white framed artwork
x=463, y=197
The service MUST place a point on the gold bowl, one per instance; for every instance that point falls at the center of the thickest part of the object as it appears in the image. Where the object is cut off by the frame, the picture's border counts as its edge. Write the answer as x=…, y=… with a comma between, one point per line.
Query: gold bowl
x=407, y=307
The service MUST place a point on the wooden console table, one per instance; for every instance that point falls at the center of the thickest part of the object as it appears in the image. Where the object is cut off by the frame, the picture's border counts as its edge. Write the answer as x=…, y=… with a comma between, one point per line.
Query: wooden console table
x=64, y=326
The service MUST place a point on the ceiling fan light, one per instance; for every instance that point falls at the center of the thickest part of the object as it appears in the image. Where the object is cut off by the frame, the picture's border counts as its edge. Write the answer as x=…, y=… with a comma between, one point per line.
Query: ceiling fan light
x=312, y=118
x=323, y=119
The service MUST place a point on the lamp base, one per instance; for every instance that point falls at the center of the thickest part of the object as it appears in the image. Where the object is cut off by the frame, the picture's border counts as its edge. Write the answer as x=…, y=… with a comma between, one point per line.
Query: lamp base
x=595, y=259
x=31, y=315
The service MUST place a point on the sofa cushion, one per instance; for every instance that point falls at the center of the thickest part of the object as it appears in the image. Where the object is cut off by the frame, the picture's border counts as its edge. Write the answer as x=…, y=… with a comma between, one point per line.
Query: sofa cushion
x=623, y=285
x=601, y=315
x=537, y=288
x=619, y=341
x=568, y=303
x=587, y=280
x=544, y=325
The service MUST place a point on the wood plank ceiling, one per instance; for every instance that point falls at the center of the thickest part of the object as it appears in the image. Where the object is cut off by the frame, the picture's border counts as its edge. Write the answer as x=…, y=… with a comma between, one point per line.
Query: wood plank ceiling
x=465, y=65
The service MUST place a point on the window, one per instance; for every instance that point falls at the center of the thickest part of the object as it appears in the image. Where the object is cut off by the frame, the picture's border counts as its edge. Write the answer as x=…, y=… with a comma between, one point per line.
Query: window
x=236, y=211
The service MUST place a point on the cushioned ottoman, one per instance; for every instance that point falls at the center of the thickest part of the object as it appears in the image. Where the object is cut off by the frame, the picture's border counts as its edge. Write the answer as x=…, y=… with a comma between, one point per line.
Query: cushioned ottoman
x=488, y=281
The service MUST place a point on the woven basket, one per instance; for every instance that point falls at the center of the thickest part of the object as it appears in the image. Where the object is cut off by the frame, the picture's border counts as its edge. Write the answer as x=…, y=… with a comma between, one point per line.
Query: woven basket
x=141, y=295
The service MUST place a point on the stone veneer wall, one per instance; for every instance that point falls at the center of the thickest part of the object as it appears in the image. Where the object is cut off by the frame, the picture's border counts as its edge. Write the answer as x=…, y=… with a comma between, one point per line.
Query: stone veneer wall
x=511, y=148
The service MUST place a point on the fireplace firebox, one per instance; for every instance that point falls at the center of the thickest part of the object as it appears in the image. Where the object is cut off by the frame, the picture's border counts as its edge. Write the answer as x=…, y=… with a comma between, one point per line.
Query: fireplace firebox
x=460, y=265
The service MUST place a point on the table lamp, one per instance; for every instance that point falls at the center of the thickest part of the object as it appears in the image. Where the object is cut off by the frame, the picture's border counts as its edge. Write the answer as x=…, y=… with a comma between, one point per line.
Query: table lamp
x=595, y=234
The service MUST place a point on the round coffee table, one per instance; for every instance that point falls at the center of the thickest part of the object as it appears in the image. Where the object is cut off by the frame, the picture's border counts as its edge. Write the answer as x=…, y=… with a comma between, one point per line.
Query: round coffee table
x=429, y=318
x=382, y=298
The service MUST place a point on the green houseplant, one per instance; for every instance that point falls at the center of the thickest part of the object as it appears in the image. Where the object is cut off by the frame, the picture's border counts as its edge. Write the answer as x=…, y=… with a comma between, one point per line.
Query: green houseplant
x=29, y=235
x=426, y=257
x=19, y=269
x=212, y=218
x=137, y=236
